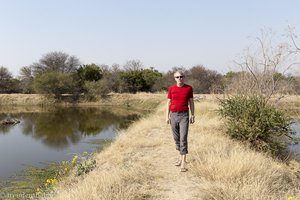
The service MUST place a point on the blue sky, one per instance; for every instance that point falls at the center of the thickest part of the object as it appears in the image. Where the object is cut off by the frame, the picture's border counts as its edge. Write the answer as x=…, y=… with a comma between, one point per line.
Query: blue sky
x=160, y=33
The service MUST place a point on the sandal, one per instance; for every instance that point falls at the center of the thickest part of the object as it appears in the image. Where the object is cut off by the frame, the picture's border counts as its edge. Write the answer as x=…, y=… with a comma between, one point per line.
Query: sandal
x=183, y=169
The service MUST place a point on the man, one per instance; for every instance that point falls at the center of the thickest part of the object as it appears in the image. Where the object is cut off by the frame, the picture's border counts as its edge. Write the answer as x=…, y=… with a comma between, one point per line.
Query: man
x=180, y=100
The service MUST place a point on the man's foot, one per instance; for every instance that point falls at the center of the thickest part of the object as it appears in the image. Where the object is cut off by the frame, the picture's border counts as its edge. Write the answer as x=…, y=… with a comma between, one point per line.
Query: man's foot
x=183, y=169
x=178, y=163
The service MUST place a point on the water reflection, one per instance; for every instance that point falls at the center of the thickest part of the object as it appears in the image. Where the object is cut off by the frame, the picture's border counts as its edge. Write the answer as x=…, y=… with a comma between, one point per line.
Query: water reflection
x=63, y=126
x=4, y=129
x=295, y=147
x=54, y=134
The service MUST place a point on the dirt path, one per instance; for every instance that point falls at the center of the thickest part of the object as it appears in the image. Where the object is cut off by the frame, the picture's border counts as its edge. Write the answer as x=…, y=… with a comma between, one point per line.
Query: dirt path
x=173, y=184
x=151, y=153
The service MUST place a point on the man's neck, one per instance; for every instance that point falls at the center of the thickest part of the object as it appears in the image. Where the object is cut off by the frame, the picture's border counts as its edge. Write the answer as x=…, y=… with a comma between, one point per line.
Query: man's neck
x=180, y=84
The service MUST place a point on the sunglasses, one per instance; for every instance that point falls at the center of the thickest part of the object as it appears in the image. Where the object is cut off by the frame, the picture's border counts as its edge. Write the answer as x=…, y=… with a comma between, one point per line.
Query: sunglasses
x=179, y=76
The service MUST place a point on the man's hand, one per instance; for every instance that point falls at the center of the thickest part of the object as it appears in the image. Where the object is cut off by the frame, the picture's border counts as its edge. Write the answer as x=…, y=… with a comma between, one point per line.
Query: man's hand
x=192, y=119
x=168, y=120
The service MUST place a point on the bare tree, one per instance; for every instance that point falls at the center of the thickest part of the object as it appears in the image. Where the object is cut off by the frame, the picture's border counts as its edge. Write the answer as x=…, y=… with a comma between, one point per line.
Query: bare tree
x=26, y=78
x=56, y=62
x=133, y=65
x=261, y=62
x=293, y=36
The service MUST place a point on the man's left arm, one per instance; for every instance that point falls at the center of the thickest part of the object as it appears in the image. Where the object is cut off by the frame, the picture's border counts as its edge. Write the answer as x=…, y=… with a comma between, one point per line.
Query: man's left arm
x=192, y=108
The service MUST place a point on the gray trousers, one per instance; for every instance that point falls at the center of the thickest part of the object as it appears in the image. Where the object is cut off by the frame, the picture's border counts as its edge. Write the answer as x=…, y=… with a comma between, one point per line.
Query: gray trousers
x=180, y=126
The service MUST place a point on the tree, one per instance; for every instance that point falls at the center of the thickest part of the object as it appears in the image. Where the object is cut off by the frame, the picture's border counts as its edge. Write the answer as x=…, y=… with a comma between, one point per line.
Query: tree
x=132, y=77
x=26, y=80
x=296, y=81
x=90, y=72
x=133, y=81
x=230, y=80
x=292, y=35
x=137, y=79
x=96, y=88
x=150, y=76
x=203, y=80
x=5, y=80
x=55, y=83
x=112, y=77
x=56, y=73
x=56, y=62
x=261, y=64
x=133, y=65
x=14, y=86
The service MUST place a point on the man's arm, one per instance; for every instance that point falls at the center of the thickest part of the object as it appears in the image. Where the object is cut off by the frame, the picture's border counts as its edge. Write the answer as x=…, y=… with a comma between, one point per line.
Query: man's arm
x=168, y=111
x=192, y=108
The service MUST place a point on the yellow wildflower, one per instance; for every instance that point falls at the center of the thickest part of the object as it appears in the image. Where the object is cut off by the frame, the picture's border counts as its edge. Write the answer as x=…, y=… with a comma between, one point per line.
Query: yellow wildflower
x=74, y=160
x=54, y=181
x=290, y=198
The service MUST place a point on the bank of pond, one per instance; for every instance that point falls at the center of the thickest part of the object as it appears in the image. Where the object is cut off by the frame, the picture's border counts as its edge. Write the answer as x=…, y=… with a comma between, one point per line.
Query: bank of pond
x=32, y=150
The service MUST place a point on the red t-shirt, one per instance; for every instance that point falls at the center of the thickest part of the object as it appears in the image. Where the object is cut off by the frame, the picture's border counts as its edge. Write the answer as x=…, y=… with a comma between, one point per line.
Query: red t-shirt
x=180, y=97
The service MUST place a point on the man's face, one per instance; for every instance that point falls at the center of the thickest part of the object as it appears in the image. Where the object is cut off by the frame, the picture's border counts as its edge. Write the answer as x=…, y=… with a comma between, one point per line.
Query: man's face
x=179, y=78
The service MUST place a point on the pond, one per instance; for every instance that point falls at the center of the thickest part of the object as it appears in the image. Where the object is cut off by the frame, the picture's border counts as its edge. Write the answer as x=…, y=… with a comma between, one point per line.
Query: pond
x=295, y=148
x=51, y=134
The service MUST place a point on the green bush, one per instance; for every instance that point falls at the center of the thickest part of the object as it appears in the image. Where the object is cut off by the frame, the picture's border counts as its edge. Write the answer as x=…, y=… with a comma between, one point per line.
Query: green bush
x=251, y=119
x=87, y=164
x=56, y=83
x=96, y=88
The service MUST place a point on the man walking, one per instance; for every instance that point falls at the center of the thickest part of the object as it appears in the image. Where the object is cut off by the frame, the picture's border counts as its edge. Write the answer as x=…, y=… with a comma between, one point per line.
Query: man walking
x=180, y=100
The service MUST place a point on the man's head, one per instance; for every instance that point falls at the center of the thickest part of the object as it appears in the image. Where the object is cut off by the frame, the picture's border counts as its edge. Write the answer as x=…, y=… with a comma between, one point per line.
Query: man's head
x=179, y=77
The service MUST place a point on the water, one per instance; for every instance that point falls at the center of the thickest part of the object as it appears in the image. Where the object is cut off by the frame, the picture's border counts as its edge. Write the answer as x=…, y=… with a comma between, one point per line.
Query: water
x=296, y=147
x=56, y=134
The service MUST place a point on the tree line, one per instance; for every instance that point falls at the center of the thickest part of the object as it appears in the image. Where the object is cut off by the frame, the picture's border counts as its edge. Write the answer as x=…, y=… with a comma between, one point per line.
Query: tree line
x=59, y=73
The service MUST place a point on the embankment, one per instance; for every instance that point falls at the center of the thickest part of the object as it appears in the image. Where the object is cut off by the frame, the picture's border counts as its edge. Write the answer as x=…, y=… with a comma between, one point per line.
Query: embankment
x=139, y=165
x=145, y=101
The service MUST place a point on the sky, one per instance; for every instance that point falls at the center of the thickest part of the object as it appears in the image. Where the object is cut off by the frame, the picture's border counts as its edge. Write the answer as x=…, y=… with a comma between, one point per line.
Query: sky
x=160, y=33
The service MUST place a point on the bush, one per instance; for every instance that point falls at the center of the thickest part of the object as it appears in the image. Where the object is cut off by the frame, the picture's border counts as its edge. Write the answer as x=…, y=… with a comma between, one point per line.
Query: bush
x=96, y=88
x=251, y=119
x=91, y=72
x=56, y=83
x=87, y=164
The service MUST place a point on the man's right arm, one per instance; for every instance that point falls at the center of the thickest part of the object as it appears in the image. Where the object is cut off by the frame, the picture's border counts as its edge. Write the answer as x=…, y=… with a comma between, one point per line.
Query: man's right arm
x=168, y=120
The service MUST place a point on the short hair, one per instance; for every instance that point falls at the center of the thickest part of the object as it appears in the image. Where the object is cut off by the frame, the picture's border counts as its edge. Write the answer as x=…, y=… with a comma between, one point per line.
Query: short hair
x=179, y=72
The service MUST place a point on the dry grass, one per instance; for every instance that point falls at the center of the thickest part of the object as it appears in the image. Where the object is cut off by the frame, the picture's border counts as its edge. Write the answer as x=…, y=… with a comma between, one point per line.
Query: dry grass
x=24, y=99
x=125, y=169
x=230, y=170
x=138, y=165
x=146, y=101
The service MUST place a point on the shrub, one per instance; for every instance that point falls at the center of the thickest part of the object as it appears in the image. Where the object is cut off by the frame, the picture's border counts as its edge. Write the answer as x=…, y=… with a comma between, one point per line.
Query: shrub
x=56, y=83
x=95, y=88
x=251, y=119
x=87, y=164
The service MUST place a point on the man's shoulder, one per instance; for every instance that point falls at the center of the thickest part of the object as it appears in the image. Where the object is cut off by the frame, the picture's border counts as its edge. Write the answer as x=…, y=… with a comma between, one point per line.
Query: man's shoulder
x=188, y=86
x=172, y=86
